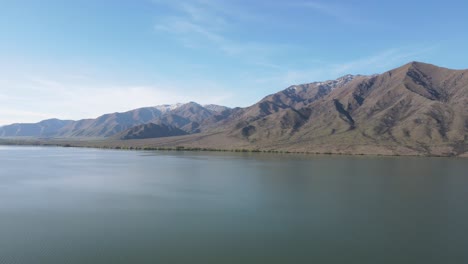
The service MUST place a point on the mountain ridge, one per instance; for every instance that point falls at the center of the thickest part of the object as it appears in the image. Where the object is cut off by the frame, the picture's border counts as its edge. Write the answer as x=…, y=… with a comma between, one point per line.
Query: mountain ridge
x=113, y=123
x=416, y=108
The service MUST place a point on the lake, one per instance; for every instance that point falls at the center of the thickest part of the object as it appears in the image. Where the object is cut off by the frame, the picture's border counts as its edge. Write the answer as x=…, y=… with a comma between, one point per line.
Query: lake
x=69, y=205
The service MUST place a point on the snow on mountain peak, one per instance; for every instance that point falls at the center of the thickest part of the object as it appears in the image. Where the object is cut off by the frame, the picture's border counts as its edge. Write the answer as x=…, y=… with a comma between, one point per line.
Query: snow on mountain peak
x=332, y=84
x=168, y=107
x=329, y=85
x=215, y=108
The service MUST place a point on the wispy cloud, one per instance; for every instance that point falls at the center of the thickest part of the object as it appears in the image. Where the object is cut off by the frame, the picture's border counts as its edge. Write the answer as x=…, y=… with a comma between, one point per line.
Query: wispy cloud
x=377, y=63
x=13, y=115
x=183, y=28
x=191, y=20
x=55, y=96
x=72, y=95
x=382, y=61
x=201, y=24
x=339, y=12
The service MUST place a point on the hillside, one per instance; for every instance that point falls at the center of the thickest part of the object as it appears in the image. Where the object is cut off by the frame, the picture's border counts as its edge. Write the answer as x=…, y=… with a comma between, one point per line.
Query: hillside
x=416, y=109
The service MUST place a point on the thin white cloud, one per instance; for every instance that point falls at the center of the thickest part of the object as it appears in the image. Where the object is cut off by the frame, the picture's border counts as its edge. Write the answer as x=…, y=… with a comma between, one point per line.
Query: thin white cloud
x=339, y=12
x=11, y=116
x=37, y=98
x=192, y=19
x=380, y=62
x=31, y=98
x=201, y=24
x=182, y=27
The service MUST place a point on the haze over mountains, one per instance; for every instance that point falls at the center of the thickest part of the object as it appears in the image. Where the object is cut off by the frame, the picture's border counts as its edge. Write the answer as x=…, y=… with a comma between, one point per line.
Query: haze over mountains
x=415, y=109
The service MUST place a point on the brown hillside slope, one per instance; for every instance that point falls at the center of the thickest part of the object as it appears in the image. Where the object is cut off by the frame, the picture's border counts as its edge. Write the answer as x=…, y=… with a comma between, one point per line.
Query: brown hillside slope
x=416, y=108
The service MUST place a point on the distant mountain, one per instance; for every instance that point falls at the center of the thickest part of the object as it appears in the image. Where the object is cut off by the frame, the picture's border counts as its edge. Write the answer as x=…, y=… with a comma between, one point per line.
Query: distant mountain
x=150, y=131
x=43, y=128
x=110, y=124
x=414, y=109
x=185, y=116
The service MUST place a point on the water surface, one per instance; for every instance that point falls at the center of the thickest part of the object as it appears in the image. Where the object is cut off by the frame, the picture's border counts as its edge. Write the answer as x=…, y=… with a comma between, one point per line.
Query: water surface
x=67, y=205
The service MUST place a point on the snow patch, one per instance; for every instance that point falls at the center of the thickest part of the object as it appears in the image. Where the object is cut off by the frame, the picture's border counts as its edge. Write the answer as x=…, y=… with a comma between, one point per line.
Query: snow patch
x=332, y=84
x=215, y=108
x=168, y=107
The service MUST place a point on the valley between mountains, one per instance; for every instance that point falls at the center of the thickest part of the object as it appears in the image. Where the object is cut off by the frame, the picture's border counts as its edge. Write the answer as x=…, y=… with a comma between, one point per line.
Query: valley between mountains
x=416, y=109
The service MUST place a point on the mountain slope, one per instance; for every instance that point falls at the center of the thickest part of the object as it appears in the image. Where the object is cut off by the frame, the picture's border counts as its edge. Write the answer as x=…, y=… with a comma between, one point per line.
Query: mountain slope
x=419, y=107
x=416, y=109
x=150, y=131
x=110, y=124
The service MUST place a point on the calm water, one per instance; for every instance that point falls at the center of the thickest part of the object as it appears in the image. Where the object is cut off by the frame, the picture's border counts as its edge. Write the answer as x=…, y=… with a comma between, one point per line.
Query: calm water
x=65, y=205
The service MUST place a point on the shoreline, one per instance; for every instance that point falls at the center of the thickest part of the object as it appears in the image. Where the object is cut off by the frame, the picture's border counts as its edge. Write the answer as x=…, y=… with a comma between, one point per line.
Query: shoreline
x=88, y=144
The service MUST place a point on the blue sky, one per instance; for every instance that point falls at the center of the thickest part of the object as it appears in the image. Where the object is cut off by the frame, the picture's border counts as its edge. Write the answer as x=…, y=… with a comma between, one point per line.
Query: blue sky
x=79, y=59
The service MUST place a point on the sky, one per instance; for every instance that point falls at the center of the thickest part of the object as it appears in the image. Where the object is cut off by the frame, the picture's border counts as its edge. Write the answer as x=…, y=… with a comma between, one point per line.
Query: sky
x=80, y=59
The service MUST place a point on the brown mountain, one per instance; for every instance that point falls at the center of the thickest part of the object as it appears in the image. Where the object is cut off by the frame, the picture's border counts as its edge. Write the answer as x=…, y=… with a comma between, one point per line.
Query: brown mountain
x=415, y=109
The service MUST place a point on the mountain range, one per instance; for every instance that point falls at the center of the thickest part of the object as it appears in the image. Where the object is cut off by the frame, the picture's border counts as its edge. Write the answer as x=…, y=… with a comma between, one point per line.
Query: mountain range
x=184, y=116
x=416, y=109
